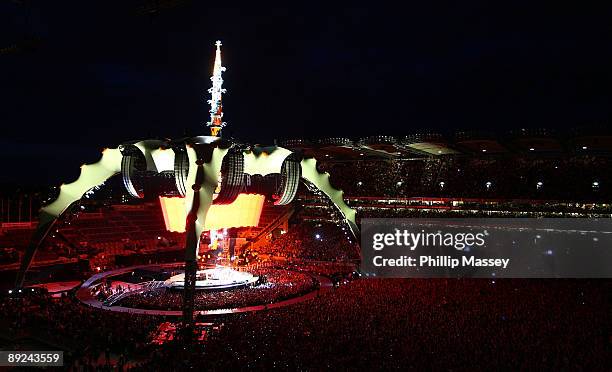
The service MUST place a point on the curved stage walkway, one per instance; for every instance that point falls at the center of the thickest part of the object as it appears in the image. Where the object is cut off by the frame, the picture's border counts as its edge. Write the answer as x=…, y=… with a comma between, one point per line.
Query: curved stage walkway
x=84, y=295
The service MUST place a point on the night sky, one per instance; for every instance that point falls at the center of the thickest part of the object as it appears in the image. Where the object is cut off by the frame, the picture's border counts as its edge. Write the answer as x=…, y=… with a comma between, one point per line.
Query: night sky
x=92, y=76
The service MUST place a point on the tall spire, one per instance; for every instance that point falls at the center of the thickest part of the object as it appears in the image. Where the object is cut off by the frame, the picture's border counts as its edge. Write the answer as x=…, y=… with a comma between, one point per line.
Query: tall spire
x=216, y=108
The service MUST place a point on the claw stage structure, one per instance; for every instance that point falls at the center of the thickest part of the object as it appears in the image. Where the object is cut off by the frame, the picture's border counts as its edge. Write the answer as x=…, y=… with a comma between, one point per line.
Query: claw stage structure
x=205, y=171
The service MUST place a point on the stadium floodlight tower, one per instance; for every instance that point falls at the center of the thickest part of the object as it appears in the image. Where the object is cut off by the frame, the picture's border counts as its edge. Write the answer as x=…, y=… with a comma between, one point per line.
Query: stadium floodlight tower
x=205, y=172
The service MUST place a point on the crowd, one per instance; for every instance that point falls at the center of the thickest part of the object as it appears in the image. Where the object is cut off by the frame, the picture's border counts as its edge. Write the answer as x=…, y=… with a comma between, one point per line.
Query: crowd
x=106, y=289
x=374, y=212
x=424, y=324
x=328, y=269
x=274, y=285
x=312, y=241
x=511, y=177
x=87, y=336
x=448, y=324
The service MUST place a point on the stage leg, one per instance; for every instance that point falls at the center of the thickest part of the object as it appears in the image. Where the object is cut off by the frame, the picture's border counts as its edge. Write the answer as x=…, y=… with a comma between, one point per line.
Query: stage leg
x=188, y=300
x=192, y=243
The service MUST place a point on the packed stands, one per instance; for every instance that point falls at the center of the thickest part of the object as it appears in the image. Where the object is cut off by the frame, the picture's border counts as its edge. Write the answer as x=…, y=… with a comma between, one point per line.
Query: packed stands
x=508, y=177
x=309, y=241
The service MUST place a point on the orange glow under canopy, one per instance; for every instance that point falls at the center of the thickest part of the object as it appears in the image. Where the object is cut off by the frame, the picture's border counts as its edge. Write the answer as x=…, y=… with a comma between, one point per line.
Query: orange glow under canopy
x=243, y=212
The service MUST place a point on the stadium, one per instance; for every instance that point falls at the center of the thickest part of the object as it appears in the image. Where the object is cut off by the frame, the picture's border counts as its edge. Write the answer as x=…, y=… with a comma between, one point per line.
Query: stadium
x=212, y=252
x=120, y=258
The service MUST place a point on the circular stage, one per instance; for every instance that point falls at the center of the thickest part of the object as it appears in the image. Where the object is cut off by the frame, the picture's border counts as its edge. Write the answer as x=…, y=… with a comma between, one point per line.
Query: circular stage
x=216, y=278
x=157, y=289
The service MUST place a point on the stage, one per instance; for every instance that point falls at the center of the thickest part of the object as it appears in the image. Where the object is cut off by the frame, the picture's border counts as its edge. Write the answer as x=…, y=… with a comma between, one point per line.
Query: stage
x=86, y=293
x=216, y=278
